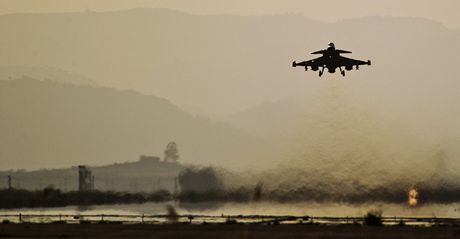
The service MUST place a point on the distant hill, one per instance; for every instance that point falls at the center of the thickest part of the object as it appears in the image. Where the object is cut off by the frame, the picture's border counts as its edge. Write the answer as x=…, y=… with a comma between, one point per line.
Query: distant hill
x=49, y=124
x=147, y=175
x=43, y=73
x=270, y=119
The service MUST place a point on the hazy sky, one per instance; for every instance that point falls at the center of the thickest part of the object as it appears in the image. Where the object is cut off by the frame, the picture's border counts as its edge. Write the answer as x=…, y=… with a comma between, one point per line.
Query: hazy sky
x=445, y=11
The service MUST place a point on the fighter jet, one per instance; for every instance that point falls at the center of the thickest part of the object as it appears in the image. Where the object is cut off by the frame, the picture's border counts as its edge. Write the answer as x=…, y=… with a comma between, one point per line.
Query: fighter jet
x=331, y=60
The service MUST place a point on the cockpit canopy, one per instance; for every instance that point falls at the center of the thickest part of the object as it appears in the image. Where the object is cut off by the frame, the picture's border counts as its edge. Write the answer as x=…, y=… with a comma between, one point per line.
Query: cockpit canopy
x=331, y=45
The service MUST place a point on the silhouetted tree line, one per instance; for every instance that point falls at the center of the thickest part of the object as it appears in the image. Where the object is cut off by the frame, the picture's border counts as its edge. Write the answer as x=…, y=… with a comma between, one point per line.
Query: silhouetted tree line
x=51, y=197
x=200, y=180
x=205, y=185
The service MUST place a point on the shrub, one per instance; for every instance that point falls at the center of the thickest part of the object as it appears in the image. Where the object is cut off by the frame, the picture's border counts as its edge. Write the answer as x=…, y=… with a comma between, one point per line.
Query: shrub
x=231, y=221
x=373, y=219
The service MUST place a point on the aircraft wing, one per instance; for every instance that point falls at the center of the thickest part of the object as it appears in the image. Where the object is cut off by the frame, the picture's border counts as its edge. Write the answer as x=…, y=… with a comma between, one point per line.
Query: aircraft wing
x=319, y=52
x=343, y=51
x=314, y=63
x=344, y=61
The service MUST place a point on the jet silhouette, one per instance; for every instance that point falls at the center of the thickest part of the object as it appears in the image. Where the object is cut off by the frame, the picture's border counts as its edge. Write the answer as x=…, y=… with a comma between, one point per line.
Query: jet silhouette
x=331, y=60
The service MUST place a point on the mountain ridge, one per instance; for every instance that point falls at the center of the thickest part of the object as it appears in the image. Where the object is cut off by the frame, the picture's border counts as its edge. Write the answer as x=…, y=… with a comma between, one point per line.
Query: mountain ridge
x=50, y=124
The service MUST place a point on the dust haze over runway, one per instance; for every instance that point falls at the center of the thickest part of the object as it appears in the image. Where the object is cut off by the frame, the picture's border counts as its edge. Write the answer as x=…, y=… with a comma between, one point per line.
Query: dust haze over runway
x=346, y=150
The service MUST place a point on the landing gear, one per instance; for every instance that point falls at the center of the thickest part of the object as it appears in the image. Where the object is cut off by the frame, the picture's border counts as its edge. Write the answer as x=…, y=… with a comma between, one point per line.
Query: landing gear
x=321, y=72
x=342, y=72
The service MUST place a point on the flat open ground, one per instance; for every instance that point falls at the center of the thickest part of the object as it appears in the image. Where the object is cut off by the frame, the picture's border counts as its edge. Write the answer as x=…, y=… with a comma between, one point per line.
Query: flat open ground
x=220, y=231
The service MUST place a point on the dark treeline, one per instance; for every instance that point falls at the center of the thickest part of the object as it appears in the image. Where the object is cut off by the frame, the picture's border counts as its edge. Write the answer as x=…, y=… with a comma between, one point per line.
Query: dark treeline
x=51, y=197
x=205, y=184
x=382, y=195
